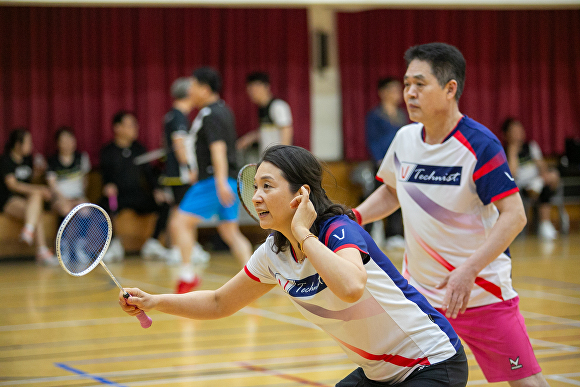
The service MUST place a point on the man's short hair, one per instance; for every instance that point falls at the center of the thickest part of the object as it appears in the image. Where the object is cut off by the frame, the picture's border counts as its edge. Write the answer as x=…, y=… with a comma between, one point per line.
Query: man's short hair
x=210, y=77
x=61, y=130
x=384, y=82
x=446, y=62
x=258, y=76
x=180, y=88
x=118, y=117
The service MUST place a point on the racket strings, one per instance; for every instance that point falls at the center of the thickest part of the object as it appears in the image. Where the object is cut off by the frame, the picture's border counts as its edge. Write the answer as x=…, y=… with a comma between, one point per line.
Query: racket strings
x=246, y=188
x=83, y=239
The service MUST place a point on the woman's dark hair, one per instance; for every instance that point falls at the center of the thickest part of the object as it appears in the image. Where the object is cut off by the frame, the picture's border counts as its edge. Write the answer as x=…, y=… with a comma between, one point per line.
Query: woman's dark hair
x=15, y=137
x=298, y=166
x=505, y=126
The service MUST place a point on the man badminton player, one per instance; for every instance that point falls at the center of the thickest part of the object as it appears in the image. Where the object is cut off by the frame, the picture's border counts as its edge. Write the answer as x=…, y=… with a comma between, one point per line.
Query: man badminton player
x=336, y=276
x=461, y=210
x=214, y=134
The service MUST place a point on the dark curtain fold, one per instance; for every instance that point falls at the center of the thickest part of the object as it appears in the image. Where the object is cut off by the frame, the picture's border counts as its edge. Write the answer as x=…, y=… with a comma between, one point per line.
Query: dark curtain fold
x=78, y=66
x=519, y=63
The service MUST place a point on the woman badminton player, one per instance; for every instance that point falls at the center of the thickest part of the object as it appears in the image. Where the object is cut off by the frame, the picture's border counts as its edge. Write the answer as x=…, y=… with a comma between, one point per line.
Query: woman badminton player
x=336, y=276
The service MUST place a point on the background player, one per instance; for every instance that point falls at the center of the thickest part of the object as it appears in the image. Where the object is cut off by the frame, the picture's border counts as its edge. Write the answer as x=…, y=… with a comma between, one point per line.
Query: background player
x=213, y=132
x=461, y=210
x=274, y=115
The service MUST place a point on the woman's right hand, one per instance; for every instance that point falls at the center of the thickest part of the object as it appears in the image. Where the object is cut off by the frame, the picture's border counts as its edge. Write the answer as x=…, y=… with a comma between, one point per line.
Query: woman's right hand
x=137, y=302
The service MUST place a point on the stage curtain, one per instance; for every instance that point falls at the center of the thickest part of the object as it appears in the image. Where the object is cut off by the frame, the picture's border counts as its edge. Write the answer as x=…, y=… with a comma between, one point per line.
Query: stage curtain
x=78, y=66
x=519, y=63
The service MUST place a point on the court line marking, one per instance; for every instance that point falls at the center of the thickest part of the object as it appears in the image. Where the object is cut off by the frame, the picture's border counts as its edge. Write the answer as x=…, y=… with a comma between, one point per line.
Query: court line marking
x=237, y=375
x=191, y=368
x=86, y=375
x=548, y=296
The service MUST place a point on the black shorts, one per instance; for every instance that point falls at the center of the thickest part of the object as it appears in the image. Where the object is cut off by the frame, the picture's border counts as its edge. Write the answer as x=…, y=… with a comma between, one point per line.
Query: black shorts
x=179, y=192
x=449, y=373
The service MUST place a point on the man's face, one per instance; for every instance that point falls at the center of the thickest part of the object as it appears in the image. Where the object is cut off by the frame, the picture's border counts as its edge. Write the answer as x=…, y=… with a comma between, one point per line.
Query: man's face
x=128, y=128
x=424, y=97
x=198, y=93
x=258, y=92
x=393, y=93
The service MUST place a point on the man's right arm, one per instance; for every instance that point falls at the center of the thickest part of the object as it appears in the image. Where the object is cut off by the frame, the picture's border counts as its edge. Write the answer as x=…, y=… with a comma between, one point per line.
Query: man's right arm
x=380, y=204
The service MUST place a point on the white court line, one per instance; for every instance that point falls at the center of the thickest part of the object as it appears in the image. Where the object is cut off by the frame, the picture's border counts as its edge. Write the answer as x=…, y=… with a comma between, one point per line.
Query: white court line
x=238, y=375
x=566, y=378
x=548, y=296
x=187, y=368
x=552, y=319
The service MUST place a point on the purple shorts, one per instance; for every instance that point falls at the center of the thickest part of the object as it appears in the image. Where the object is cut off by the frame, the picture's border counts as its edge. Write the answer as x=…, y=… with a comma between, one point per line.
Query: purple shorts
x=497, y=336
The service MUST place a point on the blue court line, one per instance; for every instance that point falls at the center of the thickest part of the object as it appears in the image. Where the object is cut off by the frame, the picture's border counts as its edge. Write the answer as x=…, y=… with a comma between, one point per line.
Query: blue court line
x=89, y=376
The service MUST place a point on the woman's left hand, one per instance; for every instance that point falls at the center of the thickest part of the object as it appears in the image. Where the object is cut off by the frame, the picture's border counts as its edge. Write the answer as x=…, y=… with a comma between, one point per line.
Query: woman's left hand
x=305, y=214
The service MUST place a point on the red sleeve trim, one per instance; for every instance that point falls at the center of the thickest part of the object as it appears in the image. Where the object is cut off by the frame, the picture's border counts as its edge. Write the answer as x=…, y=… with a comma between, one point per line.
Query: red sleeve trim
x=357, y=216
x=379, y=179
x=251, y=275
x=350, y=245
x=492, y=164
x=504, y=194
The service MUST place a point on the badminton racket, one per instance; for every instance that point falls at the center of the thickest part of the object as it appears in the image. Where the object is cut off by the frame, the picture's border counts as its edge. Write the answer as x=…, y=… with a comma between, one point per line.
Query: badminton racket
x=82, y=241
x=246, y=189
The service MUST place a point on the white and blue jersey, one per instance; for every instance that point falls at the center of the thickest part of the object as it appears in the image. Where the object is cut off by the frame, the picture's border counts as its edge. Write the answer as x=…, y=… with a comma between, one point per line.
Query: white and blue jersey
x=446, y=192
x=389, y=332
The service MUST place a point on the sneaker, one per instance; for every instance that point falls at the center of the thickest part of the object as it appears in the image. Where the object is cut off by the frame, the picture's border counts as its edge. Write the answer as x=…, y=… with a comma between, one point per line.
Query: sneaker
x=395, y=242
x=153, y=249
x=173, y=258
x=27, y=236
x=115, y=253
x=199, y=257
x=547, y=231
x=187, y=286
x=45, y=257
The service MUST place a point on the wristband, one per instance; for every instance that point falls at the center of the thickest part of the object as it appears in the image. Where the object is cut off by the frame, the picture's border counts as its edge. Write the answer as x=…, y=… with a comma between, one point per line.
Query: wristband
x=357, y=216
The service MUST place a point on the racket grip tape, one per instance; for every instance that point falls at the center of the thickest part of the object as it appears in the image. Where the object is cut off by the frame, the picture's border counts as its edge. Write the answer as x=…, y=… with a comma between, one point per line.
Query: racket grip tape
x=142, y=317
x=144, y=320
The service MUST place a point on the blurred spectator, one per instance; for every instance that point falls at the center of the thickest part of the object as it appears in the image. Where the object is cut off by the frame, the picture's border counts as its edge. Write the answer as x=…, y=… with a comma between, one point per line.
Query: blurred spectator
x=20, y=198
x=274, y=115
x=382, y=123
x=531, y=173
x=128, y=185
x=180, y=168
x=67, y=173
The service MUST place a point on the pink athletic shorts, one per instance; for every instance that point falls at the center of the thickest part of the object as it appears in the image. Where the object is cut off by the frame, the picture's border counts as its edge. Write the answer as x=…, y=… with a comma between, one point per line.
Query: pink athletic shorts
x=497, y=336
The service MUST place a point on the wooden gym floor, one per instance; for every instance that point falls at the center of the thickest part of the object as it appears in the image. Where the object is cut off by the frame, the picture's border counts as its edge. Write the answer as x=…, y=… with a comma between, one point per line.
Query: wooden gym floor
x=57, y=330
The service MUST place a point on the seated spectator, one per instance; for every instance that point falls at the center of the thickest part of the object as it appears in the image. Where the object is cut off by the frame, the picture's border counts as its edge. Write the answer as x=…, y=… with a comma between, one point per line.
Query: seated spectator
x=67, y=173
x=531, y=173
x=20, y=198
x=128, y=185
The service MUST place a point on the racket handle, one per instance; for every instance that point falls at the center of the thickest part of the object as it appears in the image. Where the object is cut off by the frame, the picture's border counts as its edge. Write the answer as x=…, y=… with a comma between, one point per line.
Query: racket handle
x=113, y=205
x=144, y=320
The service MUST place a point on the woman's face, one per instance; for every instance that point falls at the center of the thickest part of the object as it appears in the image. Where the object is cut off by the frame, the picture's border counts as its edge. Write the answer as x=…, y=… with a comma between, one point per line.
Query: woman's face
x=515, y=133
x=272, y=198
x=66, y=143
x=25, y=148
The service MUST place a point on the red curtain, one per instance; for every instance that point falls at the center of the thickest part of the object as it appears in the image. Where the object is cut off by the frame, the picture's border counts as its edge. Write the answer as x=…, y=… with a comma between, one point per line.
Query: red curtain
x=519, y=63
x=78, y=66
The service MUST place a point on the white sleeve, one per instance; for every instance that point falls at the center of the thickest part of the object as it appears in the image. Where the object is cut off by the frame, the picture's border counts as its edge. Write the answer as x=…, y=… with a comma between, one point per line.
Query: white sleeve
x=85, y=163
x=280, y=113
x=535, y=151
x=257, y=268
x=387, y=170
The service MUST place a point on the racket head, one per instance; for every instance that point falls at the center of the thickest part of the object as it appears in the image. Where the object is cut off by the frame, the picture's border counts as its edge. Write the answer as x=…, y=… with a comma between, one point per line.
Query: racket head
x=83, y=239
x=246, y=189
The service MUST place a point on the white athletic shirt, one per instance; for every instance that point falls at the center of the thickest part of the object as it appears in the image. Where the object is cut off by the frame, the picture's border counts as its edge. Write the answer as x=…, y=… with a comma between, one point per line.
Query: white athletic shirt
x=278, y=115
x=446, y=192
x=389, y=332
